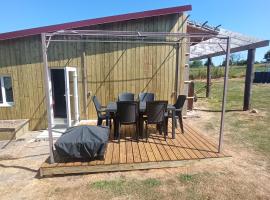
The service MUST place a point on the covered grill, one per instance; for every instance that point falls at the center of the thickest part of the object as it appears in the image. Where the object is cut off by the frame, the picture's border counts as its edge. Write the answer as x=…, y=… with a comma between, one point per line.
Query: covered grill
x=83, y=142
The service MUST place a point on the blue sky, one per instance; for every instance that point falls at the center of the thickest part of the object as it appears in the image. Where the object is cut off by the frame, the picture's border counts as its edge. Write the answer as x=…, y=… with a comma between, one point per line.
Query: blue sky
x=250, y=17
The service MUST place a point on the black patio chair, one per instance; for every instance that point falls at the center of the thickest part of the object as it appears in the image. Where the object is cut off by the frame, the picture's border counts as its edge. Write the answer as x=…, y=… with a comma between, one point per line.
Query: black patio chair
x=178, y=111
x=146, y=97
x=156, y=114
x=126, y=96
x=101, y=113
x=127, y=113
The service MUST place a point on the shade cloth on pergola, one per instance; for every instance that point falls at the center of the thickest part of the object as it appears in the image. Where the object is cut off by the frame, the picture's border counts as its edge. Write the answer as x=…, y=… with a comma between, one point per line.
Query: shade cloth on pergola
x=211, y=47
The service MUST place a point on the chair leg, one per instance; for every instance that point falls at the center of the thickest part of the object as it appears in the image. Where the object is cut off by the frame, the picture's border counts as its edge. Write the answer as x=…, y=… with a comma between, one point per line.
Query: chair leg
x=159, y=128
x=107, y=121
x=115, y=127
x=164, y=130
x=146, y=131
x=99, y=122
x=110, y=121
x=175, y=122
x=137, y=131
x=118, y=132
x=166, y=125
x=181, y=123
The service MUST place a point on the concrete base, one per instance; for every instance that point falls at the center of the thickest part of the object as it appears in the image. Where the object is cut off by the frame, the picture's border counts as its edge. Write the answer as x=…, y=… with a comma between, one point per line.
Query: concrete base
x=13, y=129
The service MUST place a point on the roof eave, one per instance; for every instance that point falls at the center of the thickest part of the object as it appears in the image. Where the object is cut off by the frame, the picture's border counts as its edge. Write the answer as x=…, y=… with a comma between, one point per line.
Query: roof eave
x=97, y=21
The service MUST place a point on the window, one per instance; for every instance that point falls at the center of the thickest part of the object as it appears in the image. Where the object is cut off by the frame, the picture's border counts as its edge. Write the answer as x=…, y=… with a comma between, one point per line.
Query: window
x=6, y=92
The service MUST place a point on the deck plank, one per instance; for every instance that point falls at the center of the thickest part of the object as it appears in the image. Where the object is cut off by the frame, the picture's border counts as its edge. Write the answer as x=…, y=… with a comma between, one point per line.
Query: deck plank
x=123, y=152
x=168, y=149
x=207, y=142
x=136, y=152
x=129, y=151
x=155, y=149
x=185, y=152
x=186, y=147
x=199, y=135
x=143, y=153
x=176, y=152
x=149, y=151
x=200, y=144
x=108, y=154
x=194, y=149
x=116, y=153
x=160, y=147
x=195, y=144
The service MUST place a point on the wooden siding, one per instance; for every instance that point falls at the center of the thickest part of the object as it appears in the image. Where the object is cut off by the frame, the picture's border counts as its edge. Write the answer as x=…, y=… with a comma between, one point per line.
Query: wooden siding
x=21, y=59
x=111, y=68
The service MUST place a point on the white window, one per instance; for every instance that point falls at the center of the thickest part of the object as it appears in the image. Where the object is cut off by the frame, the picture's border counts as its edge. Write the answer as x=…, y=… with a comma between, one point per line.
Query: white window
x=6, y=92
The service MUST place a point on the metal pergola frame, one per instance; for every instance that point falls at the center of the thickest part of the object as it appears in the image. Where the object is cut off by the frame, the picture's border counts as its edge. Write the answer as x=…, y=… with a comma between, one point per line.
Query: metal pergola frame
x=103, y=36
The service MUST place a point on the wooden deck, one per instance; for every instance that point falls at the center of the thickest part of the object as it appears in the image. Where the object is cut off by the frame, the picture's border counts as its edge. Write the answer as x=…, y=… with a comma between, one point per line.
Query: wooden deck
x=132, y=155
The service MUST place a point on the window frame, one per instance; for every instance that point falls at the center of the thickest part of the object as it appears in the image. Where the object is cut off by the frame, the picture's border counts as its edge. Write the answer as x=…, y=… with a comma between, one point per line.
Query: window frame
x=2, y=88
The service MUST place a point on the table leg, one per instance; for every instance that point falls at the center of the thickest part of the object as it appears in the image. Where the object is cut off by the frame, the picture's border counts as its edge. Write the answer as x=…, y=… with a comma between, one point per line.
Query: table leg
x=173, y=124
x=116, y=128
x=141, y=126
x=108, y=121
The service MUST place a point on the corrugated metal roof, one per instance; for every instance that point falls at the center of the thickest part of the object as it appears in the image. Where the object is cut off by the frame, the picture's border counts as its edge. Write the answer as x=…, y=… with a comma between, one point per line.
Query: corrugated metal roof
x=97, y=21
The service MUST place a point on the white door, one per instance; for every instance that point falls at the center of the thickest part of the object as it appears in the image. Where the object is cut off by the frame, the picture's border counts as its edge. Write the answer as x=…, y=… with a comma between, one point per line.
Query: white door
x=71, y=75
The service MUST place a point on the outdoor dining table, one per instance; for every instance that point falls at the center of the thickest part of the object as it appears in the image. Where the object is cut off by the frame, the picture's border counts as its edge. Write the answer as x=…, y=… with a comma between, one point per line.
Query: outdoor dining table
x=111, y=109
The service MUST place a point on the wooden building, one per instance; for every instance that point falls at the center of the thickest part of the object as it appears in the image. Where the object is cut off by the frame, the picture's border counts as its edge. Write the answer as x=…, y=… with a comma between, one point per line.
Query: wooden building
x=103, y=69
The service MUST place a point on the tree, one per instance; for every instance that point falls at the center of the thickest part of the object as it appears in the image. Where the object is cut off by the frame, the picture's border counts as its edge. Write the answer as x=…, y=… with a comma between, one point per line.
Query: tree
x=235, y=58
x=196, y=63
x=224, y=62
x=206, y=63
x=267, y=56
x=242, y=62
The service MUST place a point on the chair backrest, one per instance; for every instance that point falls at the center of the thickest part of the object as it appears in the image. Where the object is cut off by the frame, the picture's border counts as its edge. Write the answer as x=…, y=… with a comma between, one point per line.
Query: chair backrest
x=127, y=111
x=126, y=96
x=155, y=111
x=180, y=101
x=145, y=97
x=97, y=104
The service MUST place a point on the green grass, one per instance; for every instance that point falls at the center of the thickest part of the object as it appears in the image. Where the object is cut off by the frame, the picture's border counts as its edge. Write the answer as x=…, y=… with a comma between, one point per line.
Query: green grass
x=155, y=188
x=217, y=72
x=242, y=127
x=145, y=189
x=186, y=178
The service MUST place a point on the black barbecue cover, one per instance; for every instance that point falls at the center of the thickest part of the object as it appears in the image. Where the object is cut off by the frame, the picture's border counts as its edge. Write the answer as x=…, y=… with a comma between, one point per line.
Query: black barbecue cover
x=83, y=142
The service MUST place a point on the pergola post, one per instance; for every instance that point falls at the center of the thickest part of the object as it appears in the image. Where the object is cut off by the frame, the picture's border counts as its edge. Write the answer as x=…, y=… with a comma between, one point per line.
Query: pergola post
x=208, y=78
x=48, y=93
x=76, y=96
x=224, y=99
x=177, y=47
x=249, y=78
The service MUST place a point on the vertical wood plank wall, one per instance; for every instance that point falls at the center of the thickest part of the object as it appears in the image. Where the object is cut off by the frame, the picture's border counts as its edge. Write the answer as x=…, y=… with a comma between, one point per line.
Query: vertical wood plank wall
x=111, y=68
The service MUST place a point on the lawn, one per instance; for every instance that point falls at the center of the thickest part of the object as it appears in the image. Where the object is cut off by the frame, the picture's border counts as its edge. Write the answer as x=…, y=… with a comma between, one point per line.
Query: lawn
x=242, y=127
